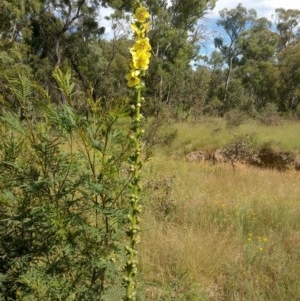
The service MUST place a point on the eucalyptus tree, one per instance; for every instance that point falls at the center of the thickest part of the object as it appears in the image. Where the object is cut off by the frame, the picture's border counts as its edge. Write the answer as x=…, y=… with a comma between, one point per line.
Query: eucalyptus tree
x=39, y=36
x=288, y=59
x=289, y=66
x=233, y=22
x=43, y=25
x=287, y=21
x=258, y=42
x=15, y=18
x=175, y=40
x=58, y=20
x=258, y=69
x=66, y=33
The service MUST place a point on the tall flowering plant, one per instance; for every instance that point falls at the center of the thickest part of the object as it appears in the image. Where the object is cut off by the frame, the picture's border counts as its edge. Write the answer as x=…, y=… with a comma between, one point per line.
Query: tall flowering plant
x=141, y=53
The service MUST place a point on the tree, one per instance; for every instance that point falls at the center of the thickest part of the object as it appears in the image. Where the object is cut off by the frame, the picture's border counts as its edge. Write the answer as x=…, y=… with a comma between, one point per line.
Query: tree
x=57, y=20
x=15, y=18
x=261, y=80
x=48, y=34
x=258, y=71
x=289, y=65
x=287, y=21
x=175, y=43
x=38, y=36
x=234, y=22
x=258, y=42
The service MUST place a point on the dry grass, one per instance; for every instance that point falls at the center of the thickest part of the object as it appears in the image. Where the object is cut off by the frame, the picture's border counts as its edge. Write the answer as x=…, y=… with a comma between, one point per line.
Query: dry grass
x=224, y=234
x=213, y=133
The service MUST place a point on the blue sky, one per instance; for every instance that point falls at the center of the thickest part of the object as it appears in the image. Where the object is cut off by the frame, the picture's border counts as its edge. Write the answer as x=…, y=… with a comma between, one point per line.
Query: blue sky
x=264, y=8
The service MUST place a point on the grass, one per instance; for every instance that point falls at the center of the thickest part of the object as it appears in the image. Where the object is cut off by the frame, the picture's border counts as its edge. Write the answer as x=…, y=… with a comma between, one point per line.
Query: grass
x=211, y=233
x=216, y=234
x=213, y=133
x=285, y=135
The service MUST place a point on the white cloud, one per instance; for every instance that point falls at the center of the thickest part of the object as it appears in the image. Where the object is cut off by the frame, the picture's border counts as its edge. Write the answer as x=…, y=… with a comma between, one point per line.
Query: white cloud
x=264, y=8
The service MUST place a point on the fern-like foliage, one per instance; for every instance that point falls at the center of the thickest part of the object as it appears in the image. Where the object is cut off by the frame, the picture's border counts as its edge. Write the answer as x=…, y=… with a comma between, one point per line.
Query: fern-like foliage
x=66, y=86
x=21, y=87
x=62, y=213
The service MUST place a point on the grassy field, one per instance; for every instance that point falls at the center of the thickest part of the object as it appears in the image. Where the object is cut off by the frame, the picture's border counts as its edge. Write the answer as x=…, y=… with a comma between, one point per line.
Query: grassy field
x=218, y=234
x=209, y=232
x=212, y=133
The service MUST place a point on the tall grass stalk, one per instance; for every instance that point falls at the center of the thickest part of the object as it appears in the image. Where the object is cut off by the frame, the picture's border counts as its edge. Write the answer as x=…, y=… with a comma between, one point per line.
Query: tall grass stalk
x=140, y=61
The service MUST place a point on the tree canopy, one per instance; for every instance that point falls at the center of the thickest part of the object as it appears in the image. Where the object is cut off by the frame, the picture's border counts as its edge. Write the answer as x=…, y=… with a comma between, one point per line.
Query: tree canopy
x=254, y=61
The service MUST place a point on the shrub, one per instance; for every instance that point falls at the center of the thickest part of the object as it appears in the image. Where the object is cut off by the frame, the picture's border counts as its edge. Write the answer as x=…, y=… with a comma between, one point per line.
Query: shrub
x=162, y=203
x=235, y=117
x=268, y=157
x=63, y=182
x=240, y=149
x=215, y=107
x=297, y=111
x=269, y=115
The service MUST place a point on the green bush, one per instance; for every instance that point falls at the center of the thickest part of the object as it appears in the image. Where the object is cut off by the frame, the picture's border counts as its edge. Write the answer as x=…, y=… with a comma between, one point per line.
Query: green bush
x=241, y=148
x=297, y=112
x=269, y=115
x=235, y=117
x=63, y=181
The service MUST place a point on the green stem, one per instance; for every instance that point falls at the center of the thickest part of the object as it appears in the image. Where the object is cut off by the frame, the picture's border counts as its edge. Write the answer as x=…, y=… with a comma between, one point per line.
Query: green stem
x=135, y=209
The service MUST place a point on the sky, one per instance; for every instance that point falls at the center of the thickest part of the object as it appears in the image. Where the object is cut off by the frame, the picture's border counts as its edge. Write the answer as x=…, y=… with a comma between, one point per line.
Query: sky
x=264, y=8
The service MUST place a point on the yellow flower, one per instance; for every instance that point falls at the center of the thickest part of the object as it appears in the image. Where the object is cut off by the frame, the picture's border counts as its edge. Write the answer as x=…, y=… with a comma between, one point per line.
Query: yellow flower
x=140, y=51
x=142, y=45
x=147, y=26
x=137, y=29
x=140, y=30
x=141, y=59
x=141, y=14
x=132, y=78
